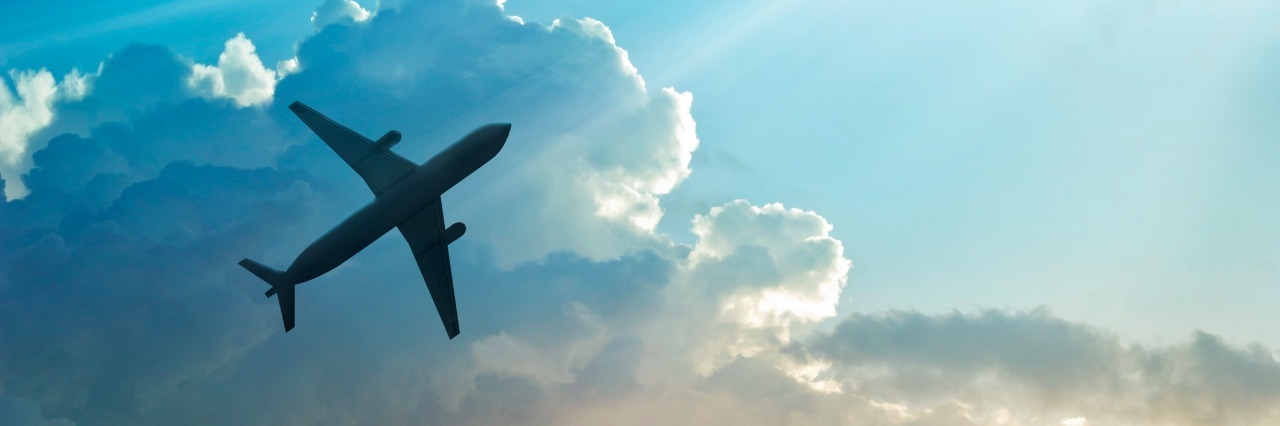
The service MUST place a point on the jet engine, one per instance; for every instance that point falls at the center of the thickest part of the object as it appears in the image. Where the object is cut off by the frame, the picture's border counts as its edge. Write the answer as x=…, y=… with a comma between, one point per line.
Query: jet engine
x=388, y=140
x=454, y=232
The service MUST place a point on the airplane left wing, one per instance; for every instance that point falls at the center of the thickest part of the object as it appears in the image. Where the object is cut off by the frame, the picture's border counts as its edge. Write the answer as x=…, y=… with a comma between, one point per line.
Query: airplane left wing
x=429, y=240
x=379, y=167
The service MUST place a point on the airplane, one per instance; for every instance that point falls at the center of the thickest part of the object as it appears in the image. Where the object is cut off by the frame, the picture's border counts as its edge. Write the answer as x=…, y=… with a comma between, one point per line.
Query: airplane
x=406, y=197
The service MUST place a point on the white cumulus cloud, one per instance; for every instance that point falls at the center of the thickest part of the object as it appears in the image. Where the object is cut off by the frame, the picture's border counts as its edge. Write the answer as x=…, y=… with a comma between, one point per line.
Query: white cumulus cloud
x=592, y=150
x=336, y=11
x=614, y=150
x=288, y=66
x=239, y=75
x=28, y=111
x=756, y=278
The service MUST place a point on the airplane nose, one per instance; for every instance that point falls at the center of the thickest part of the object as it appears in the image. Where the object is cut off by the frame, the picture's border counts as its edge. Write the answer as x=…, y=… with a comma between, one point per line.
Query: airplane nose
x=498, y=133
x=493, y=137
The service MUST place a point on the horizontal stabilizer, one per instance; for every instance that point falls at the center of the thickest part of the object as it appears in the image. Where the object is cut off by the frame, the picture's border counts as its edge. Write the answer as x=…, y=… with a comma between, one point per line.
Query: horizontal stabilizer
x=280, y=287
x=271, y=275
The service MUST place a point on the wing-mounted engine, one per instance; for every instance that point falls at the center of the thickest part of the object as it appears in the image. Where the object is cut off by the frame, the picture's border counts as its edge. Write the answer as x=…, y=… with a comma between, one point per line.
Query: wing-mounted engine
x=452, y=234
x=378, y=166
x=388, y=140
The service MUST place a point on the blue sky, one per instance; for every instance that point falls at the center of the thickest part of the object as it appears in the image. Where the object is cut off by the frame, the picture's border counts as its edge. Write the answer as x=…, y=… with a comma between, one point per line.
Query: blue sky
x=1110, y=163
x=990, y=213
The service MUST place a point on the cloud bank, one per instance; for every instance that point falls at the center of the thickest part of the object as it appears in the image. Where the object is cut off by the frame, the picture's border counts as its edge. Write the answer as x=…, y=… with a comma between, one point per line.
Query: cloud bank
x=138, y=79
x=122, y=302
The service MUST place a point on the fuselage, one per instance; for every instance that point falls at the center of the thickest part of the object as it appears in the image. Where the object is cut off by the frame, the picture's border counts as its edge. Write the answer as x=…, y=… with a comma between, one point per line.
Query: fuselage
x=399, y=202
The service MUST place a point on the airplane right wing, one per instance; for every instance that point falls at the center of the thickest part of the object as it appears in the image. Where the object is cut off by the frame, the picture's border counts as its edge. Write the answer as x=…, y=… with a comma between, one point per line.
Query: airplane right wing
x=429, y=240
x=379, y=167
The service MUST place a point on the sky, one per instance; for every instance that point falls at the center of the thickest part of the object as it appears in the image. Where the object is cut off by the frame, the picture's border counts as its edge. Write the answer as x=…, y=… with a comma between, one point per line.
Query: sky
x=750, y=212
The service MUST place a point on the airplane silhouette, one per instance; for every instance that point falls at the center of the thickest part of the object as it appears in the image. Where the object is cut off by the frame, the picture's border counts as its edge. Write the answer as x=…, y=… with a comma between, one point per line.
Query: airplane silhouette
x=405, y=197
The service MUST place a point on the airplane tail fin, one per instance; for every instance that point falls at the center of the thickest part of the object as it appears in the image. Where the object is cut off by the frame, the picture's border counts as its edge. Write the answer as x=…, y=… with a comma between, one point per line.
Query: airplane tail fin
x=280, y=287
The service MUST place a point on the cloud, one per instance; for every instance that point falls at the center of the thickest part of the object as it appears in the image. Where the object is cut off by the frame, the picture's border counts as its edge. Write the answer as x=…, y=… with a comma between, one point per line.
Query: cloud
x=135, y=81
x=287, y=66
x=239, y=75
x=586, y=168
x=23, y=412
x=136, y=215
x=153, y=121
x=106, y=348
x=137, y=78
x=122, y=302
x=339, y=11
x=28, y=112
x=1048, y=365
x=755, y=277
